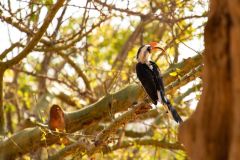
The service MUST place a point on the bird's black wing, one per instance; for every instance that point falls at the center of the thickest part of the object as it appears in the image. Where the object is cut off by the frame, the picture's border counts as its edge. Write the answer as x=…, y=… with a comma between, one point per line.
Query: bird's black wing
x=158, y=78
x=160, y=87
x=146, y=77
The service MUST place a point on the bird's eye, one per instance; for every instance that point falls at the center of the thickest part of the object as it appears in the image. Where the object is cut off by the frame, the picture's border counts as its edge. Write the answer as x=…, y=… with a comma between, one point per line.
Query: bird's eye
x=149, y=49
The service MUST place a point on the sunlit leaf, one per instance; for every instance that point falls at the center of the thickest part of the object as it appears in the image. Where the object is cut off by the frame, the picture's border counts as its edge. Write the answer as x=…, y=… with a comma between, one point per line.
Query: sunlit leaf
x=173, y=74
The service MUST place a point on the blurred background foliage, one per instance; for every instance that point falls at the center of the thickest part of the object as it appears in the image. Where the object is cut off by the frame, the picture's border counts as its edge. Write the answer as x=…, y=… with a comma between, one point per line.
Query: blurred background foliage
x=89, y=51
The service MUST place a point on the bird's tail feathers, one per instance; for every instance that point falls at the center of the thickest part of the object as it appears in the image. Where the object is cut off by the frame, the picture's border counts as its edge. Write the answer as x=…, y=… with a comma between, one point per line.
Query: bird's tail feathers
x=173, y=111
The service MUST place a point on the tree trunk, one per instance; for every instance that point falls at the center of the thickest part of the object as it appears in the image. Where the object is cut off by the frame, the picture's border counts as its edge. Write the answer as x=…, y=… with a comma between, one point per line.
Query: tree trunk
x=213, y=131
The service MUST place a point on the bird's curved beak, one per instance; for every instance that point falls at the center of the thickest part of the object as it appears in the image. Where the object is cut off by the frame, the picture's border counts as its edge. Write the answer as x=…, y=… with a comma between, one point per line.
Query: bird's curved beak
x=155, y=46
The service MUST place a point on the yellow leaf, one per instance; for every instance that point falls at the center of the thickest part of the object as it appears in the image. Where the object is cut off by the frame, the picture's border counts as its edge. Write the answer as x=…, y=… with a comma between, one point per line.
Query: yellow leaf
x=173, y=74
x=43, y=138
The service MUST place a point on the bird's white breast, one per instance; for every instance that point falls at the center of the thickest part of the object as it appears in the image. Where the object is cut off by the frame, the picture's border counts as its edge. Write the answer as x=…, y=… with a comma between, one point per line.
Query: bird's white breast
x=149, y=65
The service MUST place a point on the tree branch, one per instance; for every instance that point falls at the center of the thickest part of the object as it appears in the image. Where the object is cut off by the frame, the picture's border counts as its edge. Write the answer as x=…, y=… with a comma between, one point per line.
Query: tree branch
x=6, y=51
x=35, y=39
x=111, y=103
x=119, y=60
x=103, y=136
x=77, y=69
x=147, y=142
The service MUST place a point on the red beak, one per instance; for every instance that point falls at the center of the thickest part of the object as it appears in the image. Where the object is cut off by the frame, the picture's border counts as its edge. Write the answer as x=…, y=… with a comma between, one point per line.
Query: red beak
x=155, y=46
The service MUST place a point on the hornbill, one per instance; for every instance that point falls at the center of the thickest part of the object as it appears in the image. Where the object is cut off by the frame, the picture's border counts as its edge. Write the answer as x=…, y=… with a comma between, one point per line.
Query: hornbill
x=151, y=79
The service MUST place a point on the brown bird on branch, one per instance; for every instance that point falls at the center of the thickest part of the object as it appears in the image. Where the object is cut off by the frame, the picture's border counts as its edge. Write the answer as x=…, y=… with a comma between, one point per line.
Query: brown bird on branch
x=57, y=123
x=57, y=119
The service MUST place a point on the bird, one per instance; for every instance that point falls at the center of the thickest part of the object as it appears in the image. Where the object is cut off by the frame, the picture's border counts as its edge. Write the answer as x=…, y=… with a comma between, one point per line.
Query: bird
x=57, y=118
x=57, y=123
x=151, y=78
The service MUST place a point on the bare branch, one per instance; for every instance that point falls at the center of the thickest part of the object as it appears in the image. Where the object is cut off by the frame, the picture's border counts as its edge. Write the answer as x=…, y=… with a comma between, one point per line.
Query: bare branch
x=6, y=51
x=35, y=39
x=110, y=7
x=118, y=62
x=147, y=142
x=77, y=69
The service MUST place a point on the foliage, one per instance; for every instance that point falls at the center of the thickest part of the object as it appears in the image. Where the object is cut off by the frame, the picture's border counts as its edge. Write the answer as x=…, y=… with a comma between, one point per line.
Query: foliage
x=87, y=52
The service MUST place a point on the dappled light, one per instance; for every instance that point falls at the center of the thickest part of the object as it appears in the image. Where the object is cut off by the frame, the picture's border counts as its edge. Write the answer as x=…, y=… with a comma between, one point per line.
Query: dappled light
x=70, y=88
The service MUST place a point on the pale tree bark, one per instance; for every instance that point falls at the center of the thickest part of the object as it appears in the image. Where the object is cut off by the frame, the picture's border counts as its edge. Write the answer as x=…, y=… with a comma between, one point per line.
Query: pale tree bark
x=213, y=131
